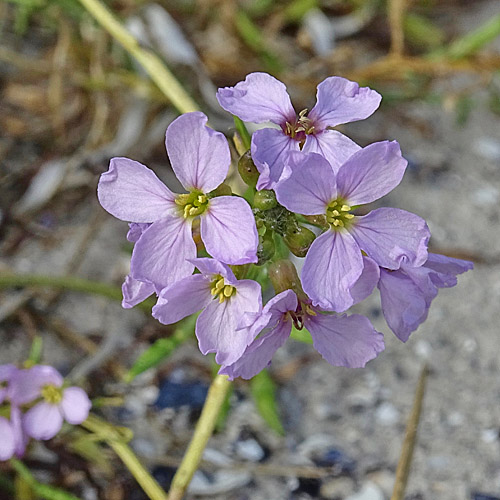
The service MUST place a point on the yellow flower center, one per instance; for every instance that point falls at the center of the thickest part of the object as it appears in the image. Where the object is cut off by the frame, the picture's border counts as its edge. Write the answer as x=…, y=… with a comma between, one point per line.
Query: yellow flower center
x=192, y=204
x=52, y=394
x=337, y=214
x=302, y=124
x=219, y=288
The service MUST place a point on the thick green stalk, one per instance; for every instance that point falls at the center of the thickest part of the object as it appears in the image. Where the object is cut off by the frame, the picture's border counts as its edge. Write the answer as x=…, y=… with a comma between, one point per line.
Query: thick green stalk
x=153, y=65
x=203, y=431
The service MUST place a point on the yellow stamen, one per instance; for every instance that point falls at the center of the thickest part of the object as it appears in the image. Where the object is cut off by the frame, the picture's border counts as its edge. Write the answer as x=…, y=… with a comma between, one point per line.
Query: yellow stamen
x=345, y=208
x=228, y=291
x=349, y=216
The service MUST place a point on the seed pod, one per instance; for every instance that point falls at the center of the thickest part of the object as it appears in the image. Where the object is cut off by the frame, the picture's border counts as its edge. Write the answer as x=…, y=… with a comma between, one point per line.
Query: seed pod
x=264, y=200
x=283, y=276
x=266, y=248
x=298, y=239
x=247, y=169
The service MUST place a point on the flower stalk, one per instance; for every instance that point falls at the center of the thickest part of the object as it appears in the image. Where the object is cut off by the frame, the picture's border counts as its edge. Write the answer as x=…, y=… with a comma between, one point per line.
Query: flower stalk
x=203, y=431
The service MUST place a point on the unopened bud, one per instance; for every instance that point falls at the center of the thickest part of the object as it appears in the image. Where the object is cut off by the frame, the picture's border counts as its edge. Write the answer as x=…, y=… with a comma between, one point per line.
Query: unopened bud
x=247, y=169
x=222, y=190
x=266, y=248
x=298, y=239
x=264, y=200
x=283, y=276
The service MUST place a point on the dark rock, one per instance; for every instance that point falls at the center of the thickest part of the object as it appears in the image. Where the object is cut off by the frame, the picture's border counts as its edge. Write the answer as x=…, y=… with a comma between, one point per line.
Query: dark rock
x=338, y=460
x=177, y=394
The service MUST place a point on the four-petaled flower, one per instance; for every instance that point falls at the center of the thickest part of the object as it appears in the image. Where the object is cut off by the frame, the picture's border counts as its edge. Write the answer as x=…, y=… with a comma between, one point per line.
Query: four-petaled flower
x=342, y=340
x=262, y=98
x=224, y=300
x=200, y=158
x=334, y=261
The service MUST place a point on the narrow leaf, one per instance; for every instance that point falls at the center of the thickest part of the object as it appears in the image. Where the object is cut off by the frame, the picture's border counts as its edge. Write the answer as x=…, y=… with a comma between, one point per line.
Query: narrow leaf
x=263, y=391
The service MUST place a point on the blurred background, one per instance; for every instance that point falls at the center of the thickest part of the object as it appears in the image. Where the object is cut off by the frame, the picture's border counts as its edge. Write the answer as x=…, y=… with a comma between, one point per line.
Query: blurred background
x=71, y=97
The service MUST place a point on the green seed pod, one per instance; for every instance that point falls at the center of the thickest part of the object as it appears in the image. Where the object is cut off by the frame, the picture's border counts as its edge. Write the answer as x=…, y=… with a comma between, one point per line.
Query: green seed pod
x=298, y=239
x=222, y=190
x=264, y=200
x=266, y=248
x=283, y=276
x=247, y=169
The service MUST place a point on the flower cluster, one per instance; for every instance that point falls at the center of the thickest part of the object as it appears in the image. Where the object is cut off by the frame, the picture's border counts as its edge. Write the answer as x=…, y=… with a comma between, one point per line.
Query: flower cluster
x=33, y=404
x=307, y=183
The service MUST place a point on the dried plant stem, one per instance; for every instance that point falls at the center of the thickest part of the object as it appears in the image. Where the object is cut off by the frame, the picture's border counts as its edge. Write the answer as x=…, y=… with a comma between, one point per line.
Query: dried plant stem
x=396, y=18
x=149, y=61
x=203, y=431
x=404, y=463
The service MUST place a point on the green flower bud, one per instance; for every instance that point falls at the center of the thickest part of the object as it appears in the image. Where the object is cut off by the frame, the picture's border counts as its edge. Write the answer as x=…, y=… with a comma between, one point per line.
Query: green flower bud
x=298, y=239
x=247, y=169
x=264, y=200
x=222, y=190
x=266, y=248
x=283, y=276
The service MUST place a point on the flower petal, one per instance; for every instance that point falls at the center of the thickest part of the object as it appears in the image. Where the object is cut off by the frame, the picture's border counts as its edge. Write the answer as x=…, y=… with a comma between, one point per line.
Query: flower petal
x=341, y=101
x=229, y=232
x=75, y=405
x=131, y=191
x=183, y=298
x=270, y=148
x=274, y=332
x=7, y=443
x=337, y=148
x=26, y=385
x=199, y=156
x=216, y=326
x=367, y=281
x=20, y=437
x=345, y=340
x=211, y=266
x=310, y=186
x=134, y=292
x=445, y=269
x=388, y=235
x=260, y=98
x=371, y=173
x=160, y=256
x=333, y=265
x=404, y=305
x=43, y=421
x=135, y=231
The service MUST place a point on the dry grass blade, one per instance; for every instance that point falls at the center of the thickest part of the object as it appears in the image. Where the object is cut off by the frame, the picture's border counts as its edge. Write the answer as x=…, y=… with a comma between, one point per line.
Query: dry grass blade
x=396, y=16
x=406, y=456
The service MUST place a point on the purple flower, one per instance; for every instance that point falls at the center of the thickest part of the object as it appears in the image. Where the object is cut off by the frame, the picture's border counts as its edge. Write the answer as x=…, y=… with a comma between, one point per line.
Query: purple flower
x=261, y=98
x=406, y=294
x=6, y=374
x=45, y=418
x=342, y=340
x=334, y=261
x=224, y=300
x=200, y=158
x=7, y=441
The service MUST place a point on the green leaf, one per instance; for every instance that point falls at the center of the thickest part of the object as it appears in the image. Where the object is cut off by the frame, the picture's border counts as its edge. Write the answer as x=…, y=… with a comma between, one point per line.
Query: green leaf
x=241, y=128
x=301, y=335
x=84, y=445
x=422, y=33
x=162, y=348
x=36, y=350
x=297, y=9
x=263, y=391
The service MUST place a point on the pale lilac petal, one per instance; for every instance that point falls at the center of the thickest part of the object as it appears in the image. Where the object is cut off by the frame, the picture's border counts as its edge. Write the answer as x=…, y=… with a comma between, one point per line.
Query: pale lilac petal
x=337, y=148
x=333, y=265
x=160, y=256
x=229, y=232
x=20, y=437
x=134, y=292
x=260, y=98
x=345, y=340
x=371, y=173
x=217, y=324
x=388, y=235
x=274, y=332
x=270, y=148
x=135, y=231
x=367, y=281
x=445, y=269
x=199, y=155
x=403, y=304
x=43, y=421
x=212, y=267
x=131, y=191
x=183, y=298
x=7, y=443
x=6, y=373
x=25, y=387
x=310, y=187
x=75, y=405
x=341, y=101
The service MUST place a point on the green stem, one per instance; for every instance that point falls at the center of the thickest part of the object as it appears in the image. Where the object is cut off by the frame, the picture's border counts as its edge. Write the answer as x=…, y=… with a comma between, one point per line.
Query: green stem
x=69, y=283
x=204, y=429
x=112, y=436
x=149, y=61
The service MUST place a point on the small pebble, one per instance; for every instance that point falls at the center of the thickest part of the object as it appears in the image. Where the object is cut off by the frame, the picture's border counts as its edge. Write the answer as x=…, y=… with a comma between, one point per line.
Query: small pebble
x=369, y=491
x=387, y=414
x=250, y=450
